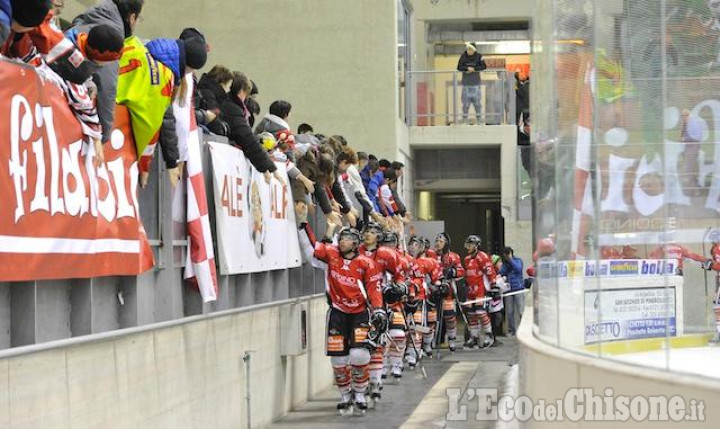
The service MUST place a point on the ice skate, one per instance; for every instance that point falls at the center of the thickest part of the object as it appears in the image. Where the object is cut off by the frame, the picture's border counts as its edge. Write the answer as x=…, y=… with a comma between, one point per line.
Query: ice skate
x=427, y=350
x=375, y=389
x=361, y=404
x=345, y=407
x=488, y=341
x=715, y=340
x=451, y=344
x=472, y=342
x=396, y=372
x=411, y=361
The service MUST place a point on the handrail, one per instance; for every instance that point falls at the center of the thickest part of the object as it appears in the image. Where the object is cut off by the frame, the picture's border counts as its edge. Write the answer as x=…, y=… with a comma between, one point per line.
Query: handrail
x=495, y=69
x=120, y=333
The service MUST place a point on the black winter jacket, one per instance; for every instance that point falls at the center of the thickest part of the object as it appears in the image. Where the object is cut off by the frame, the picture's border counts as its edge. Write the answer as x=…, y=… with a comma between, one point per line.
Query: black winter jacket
x=211, y=97
x=242, y=135
x=475, y=61
x=168, y=139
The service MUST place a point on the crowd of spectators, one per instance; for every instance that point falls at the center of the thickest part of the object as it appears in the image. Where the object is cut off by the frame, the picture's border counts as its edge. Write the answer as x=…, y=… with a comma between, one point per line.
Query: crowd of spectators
x=99, y=63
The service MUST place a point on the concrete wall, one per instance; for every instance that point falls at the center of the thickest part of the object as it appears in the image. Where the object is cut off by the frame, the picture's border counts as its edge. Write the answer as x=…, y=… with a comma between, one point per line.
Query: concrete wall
x=187, y=374
x=335, y=61
x=547, y=372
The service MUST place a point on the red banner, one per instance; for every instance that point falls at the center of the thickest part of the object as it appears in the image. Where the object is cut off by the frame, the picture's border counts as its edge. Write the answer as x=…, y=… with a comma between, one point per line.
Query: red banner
x=60, y=216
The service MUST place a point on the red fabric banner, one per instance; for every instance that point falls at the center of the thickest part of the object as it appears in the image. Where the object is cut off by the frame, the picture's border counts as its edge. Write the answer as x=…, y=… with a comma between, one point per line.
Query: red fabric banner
x=61, y=217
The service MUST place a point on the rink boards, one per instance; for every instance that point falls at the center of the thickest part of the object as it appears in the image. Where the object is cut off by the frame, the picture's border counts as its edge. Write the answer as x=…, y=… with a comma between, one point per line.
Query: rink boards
x=584, y=303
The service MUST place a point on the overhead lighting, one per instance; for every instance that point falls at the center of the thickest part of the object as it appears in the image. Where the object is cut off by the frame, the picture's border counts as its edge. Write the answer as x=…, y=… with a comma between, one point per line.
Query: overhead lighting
x=508, y=46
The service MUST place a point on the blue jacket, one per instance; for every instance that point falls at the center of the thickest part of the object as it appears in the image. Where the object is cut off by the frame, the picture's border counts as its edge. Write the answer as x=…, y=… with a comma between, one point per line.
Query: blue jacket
x=373, y=188
x=171, y=53
x=513, y=271
x=365, y=176
x=5, y=19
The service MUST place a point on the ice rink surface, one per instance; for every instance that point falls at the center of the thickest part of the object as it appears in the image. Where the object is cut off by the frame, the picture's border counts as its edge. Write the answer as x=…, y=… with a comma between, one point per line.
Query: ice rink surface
x=701, y=361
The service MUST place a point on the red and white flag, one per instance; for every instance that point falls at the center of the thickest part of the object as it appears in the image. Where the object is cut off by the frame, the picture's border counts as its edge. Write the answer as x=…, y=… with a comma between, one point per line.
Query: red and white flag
x=583, y=210
x=200, y=267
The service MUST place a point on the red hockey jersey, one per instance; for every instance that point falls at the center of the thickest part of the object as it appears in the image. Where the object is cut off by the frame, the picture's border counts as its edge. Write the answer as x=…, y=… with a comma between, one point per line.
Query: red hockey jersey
x=479, y=275
x=343, y=276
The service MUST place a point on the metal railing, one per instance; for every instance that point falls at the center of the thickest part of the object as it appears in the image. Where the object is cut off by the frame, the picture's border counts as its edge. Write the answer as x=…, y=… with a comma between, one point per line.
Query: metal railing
x=438, y=97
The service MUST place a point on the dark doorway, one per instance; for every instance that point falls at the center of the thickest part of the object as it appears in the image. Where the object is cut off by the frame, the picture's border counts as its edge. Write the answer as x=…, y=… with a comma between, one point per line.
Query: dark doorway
x=466, y=214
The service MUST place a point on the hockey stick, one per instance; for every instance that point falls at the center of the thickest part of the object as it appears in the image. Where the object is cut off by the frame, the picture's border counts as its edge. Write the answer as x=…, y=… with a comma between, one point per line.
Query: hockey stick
x=412, y=341
x=457, y=302
x=487, y=298
x=438, y=329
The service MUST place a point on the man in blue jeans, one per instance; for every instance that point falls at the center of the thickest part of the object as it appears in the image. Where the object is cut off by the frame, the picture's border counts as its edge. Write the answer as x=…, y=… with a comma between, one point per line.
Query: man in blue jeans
x=470, y=64
x=512, y=270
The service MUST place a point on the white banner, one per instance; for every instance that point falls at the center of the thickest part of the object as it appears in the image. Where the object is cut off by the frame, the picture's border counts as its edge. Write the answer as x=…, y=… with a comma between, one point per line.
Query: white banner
x=255, y=221
x=629, y=314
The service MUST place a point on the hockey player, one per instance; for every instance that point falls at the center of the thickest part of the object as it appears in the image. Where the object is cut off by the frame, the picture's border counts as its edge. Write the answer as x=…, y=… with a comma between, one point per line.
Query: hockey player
x=355, y=304
x=395, y=297
x=675, y=251
x=714, y=264
x=423, y=297
x=480, y=276
x=452, y=270
x=387, y=264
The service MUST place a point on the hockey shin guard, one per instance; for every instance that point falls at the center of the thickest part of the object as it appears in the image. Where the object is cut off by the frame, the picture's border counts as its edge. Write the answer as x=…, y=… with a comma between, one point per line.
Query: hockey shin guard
x=341, y=372
x=359, y=360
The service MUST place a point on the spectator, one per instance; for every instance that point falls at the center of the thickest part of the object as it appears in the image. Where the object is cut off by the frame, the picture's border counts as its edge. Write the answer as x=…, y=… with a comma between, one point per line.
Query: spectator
x=512, y=270
x=235, y=113
x=276, y=119
x=305, y=129
x=368, y=174
x=348, y=164
x=102, y=44
x=496, y=308
x=213, y=90
x=35, y=39
x=362, y=160
x=522, y=119
x=201, y=117
x=252, y=104
x=182, y=57
x=146, y=99
x=470, y=64
x=122, y=15
x=399, y=169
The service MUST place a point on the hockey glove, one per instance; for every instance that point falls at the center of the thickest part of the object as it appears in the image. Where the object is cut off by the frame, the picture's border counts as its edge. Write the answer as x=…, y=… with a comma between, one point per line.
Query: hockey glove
x=449, y=273
x=379, y=320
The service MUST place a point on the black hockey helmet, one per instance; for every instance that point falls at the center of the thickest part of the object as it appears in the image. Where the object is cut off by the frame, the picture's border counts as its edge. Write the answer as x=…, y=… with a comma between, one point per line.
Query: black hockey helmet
x=350, y=233
x=372, y=226
x=444, y=236
x=390, y=237
x=474, y=239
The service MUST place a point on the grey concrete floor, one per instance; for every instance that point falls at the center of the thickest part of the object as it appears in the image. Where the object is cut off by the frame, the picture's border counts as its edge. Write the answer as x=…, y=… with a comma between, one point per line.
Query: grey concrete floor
x=399, y=406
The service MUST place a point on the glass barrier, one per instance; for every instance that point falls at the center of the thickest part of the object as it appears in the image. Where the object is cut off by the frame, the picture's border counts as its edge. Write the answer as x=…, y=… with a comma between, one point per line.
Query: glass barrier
x=626, y=190
x=438, y=97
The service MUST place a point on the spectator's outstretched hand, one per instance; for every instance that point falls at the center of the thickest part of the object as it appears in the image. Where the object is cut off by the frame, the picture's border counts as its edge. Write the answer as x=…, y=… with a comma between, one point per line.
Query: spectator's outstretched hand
x=301, y=212
x=309, y=184
x=335, y=218
x=144, y=176
x=352, y=220
x=99, y=153
x=279, y=178
x=175, y=175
